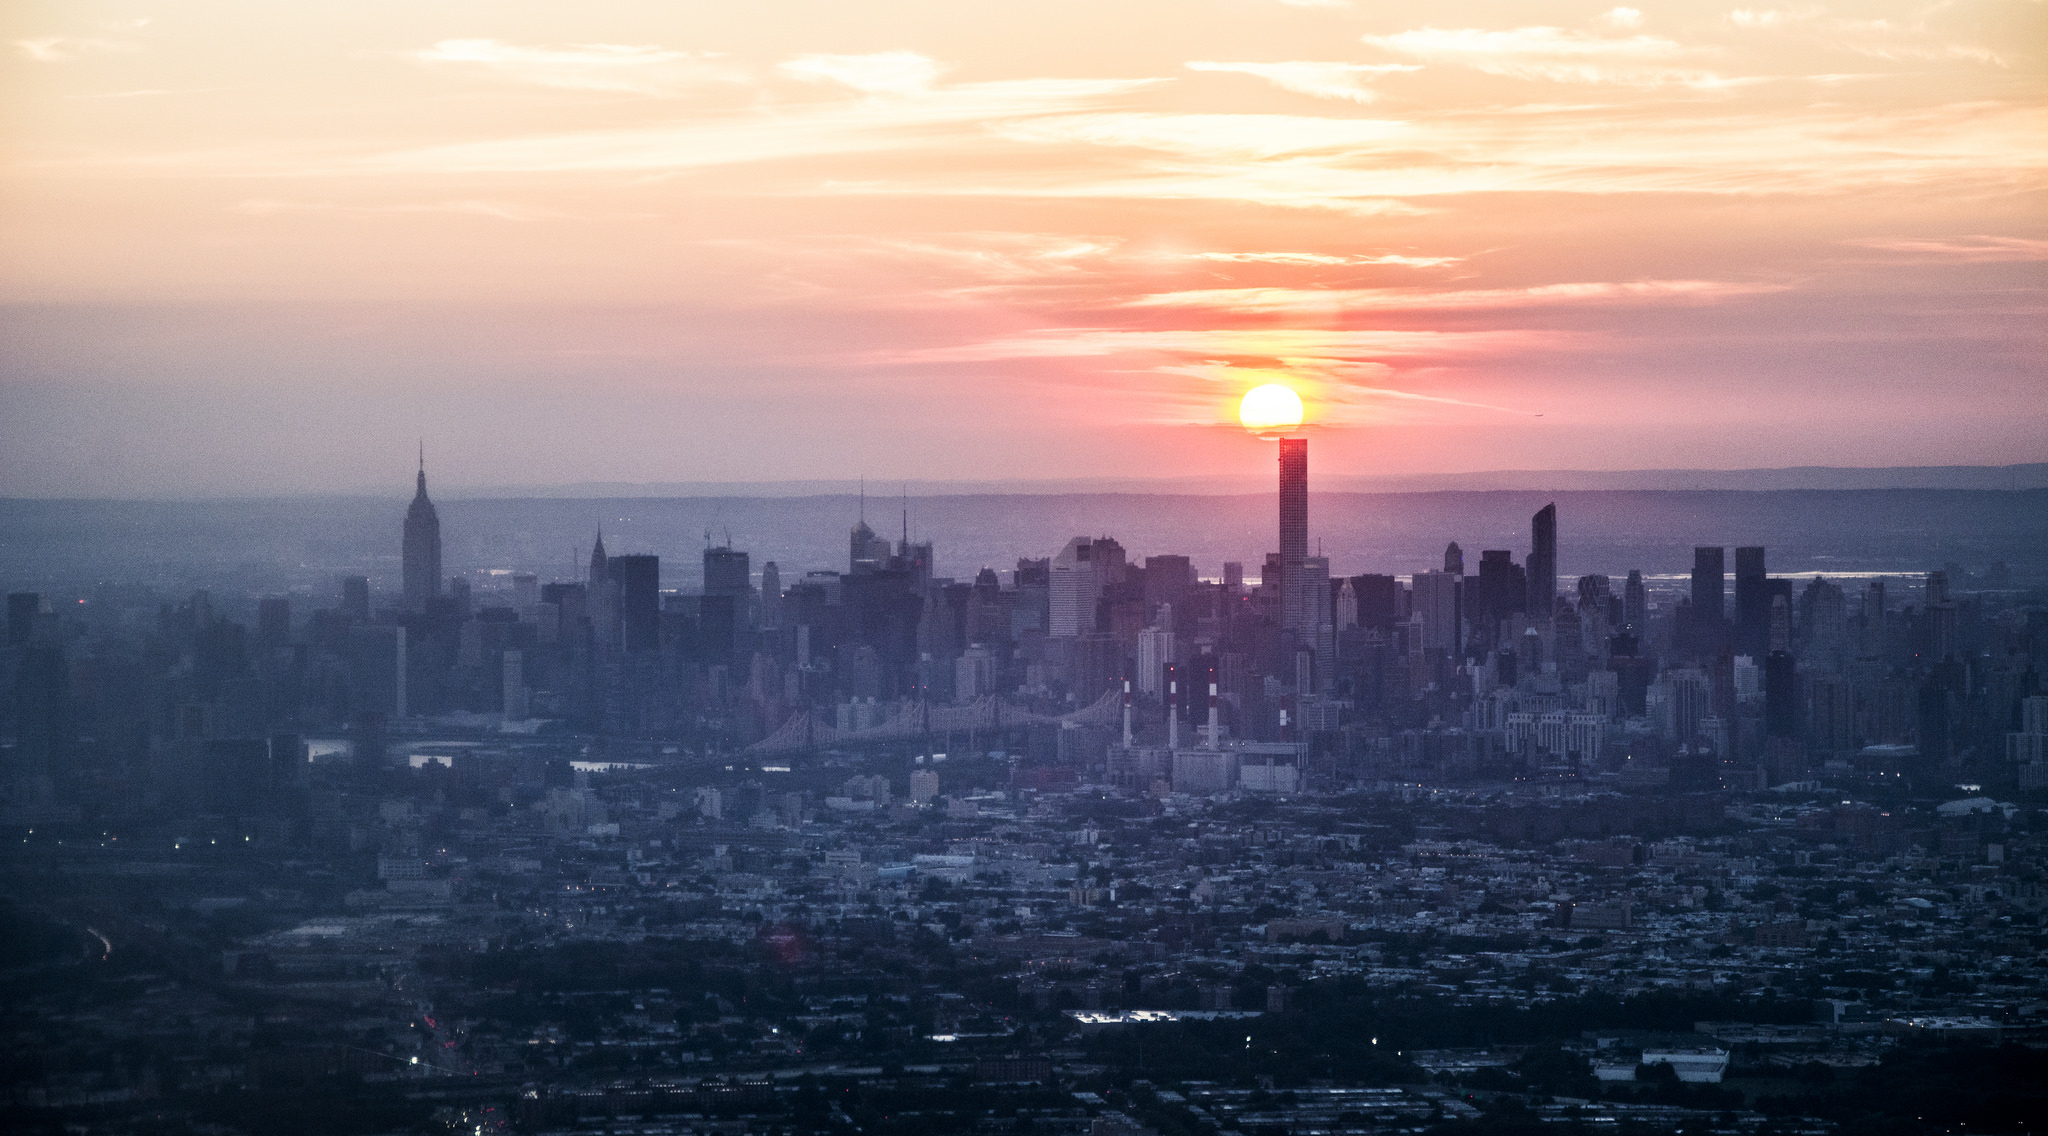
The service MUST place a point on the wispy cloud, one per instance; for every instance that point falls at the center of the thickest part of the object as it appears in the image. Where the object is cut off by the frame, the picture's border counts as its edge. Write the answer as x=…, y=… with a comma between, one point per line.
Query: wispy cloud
x=1324, y=259
x=1277, y=300
x=1317, y=346
x=1557, y=55
x=811, y=130
x=1960, y=250
x=1920, y=39
x=878, y=73
x=498, y=210
x=1321, y=80
x=64, y=49
x=627, y=68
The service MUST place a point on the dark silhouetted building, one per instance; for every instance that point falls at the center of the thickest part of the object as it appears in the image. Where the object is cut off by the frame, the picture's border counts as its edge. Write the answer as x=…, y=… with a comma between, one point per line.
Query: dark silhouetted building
x=422, y=549
x=355, y=598
x=1378, y=601
x=727, y=573
x=1502, y=590
x=1752, y=604
x=1781, y=695
x=638, y=580
x=1454, y=559
x=273, y=621
x=1709, y=586
x=1542, y=563
x=1295, y=604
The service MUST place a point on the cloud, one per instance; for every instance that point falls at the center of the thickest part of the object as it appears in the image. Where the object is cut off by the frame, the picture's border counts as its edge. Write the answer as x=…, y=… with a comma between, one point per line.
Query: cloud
x=1217, y=135
x=1321, y=80
x=1264, y=301
x=1322, y=259
x=1315, y=346
x=64, y=49
x=927, y=119
x=1622, y=18
x=1960, y=250
x=500, y=210
x=1555, y=55
x=881, y=73
x=1889, y=40
x=629, y=68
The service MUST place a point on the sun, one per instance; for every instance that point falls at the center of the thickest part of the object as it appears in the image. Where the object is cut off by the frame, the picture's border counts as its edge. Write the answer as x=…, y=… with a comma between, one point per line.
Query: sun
x=1270, y=409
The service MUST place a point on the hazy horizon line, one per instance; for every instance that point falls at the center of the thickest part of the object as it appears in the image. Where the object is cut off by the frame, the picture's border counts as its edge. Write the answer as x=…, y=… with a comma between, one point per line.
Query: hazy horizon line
x=1990, y=478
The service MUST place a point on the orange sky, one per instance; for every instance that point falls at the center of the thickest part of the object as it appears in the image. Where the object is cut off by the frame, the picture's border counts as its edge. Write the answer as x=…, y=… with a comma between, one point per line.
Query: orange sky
x=262, y=247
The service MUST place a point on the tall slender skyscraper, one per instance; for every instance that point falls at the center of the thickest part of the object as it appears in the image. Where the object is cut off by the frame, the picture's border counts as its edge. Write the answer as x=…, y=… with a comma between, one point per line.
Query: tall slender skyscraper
x=422, y=548
x=1709, y=586
x=638, y=580
x=1295, y=604
x=1542, y=562
x=1752, y=604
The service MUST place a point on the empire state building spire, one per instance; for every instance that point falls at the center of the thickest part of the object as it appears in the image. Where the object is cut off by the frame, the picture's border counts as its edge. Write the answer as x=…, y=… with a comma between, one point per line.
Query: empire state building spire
x=422, y=548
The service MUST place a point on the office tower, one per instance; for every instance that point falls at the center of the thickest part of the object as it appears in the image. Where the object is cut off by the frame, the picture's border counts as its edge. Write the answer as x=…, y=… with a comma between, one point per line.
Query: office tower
x=21, y=616
x=514, y=687
x=771, y=596
x=422, y=547
x=43, y=721
x=1502, y=590
x=1167, y=579
x=1155, y=653
x=1752, y=604
x=637, y=579
x=1781, y=695
x=1074, y=589
x=727, y=573
x=601, y=597
x=1078, y=575
x=1635, y=605
x=1294, y=601
x=1344, y=605
x=1379, y=601
x=1233, y=579
x=1709, y=586
x=1542, y=563
x=525, y=594
x=1435, y=605
x=1454, y=559
x=1317, y=632
x=865, y=552
x=273, y=621
x=355, y=598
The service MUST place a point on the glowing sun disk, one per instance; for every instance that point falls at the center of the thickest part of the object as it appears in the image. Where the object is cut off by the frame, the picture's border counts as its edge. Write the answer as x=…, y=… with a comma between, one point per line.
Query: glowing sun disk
x=1269, y=408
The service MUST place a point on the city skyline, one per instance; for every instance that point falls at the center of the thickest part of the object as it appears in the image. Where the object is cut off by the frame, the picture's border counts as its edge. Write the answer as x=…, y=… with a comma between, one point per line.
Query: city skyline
x=645, y=247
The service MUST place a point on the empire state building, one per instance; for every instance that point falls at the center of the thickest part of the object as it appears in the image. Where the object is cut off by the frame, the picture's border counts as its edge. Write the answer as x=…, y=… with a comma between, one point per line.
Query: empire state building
x=422, y=552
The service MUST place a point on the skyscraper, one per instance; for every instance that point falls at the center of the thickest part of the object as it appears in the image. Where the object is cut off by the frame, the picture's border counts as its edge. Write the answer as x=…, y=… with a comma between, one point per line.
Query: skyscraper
x=1709, y=586
x=638, y=579
x=1752, y=604
x=1635, y=605
x=422, y=547
x=1454, y=559
x=726, y=573
x=1295, y=604
x=1436, y=605
x=1542, y=562
x=771, y=596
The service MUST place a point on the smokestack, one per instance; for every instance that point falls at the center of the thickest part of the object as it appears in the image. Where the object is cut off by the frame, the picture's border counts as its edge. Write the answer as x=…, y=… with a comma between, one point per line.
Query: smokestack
x=1215, y=728
x=1173, y=711
x=1127, y=713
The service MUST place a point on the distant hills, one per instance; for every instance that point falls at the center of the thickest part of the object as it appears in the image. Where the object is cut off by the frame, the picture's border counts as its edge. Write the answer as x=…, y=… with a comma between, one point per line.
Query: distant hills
x=2032, y=475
